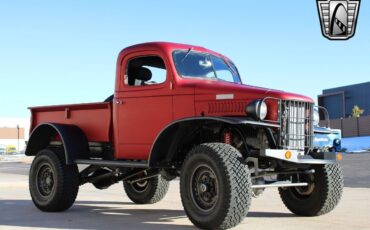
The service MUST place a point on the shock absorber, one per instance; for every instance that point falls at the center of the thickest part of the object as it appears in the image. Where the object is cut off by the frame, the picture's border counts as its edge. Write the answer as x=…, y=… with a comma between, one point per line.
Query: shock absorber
x=227, y=137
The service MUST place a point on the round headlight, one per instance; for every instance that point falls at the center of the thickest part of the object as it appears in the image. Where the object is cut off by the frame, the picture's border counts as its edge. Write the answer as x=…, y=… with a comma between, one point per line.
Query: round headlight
x=257, y=110
x=262, y=113
x=316, y=117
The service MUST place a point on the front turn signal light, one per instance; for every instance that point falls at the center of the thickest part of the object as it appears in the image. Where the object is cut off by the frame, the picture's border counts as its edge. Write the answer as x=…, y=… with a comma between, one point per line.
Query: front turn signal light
x=288, y=154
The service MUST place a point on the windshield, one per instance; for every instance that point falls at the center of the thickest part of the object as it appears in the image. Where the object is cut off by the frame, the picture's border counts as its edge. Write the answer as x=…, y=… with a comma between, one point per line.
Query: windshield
x=194, y=64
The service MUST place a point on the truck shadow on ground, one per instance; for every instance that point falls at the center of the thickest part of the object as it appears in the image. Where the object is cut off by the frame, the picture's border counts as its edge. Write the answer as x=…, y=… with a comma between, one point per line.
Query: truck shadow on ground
x=100, y=215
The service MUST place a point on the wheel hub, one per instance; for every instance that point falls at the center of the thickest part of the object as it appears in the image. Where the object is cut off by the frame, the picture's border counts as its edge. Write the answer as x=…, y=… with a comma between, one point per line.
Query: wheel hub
x=204, y=188
x=307, y=190
x=140, y=186
x=45, y=180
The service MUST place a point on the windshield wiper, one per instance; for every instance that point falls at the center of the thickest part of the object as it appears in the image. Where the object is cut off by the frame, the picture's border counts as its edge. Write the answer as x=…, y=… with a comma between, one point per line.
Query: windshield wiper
x=186, y=55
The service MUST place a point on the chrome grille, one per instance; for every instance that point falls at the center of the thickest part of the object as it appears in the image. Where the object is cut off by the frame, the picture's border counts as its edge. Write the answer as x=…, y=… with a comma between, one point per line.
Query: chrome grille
x=296, y=119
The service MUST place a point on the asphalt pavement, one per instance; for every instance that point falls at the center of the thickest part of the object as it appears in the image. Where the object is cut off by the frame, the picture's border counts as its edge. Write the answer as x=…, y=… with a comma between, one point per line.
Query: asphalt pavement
x=111, y=209
x=356, y=170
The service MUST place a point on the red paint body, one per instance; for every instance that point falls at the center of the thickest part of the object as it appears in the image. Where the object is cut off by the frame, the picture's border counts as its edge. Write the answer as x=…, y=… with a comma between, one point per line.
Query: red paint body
x=134, y=124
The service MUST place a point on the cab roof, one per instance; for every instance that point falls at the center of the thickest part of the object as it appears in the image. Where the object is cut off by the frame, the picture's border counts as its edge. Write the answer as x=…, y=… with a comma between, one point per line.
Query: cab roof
x=167, y=47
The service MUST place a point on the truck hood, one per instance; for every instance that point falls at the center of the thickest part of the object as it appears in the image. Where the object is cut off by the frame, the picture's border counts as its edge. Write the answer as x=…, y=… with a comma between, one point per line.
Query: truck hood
x=243, y=92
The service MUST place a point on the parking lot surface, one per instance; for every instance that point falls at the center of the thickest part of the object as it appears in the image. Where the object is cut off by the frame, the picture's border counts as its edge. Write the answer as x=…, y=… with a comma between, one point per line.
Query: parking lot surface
x=111, y=209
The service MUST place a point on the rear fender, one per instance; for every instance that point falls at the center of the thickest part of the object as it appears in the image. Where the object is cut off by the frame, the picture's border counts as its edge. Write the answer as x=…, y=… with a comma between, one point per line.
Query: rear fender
x=74, y=141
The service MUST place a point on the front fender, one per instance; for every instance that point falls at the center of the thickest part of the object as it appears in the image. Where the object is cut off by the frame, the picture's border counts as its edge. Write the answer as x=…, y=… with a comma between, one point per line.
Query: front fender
x=169, y=138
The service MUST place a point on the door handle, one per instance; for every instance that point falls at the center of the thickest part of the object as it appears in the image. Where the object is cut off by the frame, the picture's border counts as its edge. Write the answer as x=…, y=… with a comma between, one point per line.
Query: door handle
x=120, y=102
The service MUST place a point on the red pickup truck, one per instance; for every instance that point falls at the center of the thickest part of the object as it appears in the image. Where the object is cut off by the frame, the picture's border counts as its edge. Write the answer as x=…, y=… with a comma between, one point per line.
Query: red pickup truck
x=182, y=111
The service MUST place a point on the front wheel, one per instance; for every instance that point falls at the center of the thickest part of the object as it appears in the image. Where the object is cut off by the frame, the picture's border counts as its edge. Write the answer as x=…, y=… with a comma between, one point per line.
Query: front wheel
x=215, y=186
x=322, y=194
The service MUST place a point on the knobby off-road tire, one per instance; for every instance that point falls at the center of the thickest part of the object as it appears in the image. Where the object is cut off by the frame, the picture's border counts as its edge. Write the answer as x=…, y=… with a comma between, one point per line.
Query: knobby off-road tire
x=215, y=186
x=53, y=185
x=147, y=192
x=320, y=197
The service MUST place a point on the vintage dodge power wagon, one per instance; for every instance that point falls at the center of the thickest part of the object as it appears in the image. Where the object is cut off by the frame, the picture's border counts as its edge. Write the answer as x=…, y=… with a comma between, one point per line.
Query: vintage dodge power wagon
x=182, y=111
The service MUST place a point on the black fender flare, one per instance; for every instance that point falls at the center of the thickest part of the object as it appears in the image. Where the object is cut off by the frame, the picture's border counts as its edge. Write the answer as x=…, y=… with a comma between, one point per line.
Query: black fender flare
x=170, y=136
x=74, y=140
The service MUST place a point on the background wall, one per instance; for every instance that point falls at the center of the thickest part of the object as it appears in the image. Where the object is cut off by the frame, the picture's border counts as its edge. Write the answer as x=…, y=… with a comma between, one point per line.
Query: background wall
x=351, y=127
x=339, y=101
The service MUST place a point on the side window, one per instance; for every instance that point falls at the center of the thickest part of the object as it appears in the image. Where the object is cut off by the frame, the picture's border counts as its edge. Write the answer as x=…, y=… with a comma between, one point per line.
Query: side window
x=148, y=70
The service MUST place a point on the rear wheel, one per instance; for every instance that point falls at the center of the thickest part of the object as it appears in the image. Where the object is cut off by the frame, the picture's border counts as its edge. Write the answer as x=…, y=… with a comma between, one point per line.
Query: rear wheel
x=321, y=195
x=148, y=191
x=53, y=184
x=215, y=186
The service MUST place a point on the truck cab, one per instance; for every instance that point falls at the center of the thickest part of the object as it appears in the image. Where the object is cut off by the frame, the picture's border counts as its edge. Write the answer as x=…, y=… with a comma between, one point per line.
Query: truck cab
x=182, y=111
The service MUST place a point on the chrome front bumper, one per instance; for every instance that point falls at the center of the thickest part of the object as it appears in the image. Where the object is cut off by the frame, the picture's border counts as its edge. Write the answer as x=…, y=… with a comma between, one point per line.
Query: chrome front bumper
x=299, y=157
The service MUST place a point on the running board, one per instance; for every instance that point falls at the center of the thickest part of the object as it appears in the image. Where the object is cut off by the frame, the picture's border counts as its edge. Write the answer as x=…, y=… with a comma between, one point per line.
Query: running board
x=278, y=184
x=124, y=164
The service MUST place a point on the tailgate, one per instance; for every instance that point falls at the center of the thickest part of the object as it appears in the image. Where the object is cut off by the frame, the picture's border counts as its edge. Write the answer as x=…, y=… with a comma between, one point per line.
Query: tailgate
x=93, y=118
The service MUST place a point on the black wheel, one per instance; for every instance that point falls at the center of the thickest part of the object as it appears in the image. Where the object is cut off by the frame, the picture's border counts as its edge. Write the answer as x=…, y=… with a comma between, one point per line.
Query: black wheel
x=53, y=184
x=321, y=195
x=215, y=186
x=147, y=191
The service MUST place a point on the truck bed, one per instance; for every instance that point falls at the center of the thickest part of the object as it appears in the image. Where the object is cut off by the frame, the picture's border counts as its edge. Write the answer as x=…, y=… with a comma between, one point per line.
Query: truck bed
x=95, y=119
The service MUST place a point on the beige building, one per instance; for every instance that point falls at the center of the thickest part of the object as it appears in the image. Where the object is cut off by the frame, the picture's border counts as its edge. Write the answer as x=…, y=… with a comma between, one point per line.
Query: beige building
x=14, y=133
x=11, y=133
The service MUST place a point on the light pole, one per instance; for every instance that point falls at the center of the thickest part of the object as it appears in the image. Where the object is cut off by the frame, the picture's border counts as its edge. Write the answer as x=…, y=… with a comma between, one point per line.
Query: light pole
x=18, y=136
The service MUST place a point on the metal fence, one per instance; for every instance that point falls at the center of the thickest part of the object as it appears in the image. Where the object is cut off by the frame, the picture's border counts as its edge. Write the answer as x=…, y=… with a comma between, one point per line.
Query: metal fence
x=351, y=127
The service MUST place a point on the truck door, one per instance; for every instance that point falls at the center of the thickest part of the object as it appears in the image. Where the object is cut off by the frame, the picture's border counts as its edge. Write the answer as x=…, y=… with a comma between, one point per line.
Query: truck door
x=142, y=105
